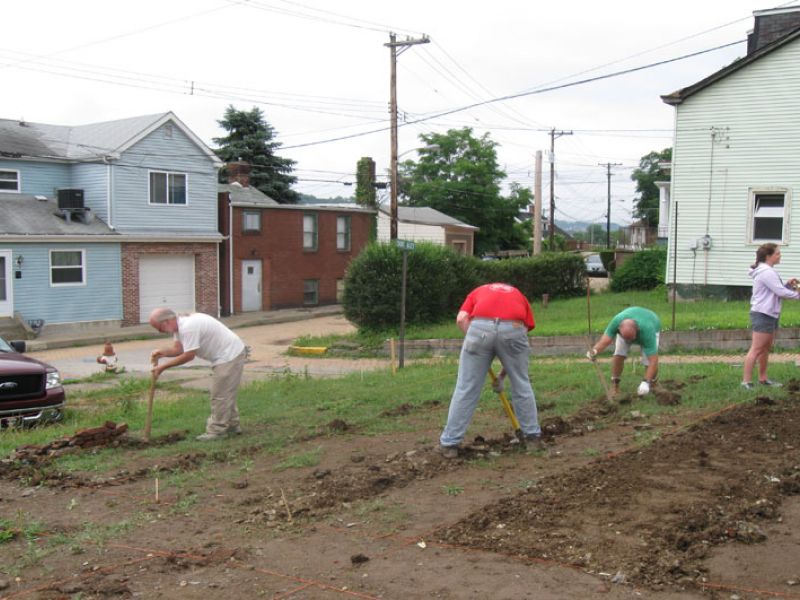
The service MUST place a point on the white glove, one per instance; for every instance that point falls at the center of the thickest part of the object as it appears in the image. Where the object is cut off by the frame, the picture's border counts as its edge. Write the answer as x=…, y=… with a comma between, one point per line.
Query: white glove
x=592, y=355
x=644, y=389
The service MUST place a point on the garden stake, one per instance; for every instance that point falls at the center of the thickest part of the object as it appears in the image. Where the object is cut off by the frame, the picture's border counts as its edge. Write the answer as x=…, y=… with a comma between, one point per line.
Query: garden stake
x=509, y=409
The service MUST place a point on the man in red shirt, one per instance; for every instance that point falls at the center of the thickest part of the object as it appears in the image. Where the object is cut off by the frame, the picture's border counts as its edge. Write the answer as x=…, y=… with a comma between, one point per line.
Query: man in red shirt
x=496, y=318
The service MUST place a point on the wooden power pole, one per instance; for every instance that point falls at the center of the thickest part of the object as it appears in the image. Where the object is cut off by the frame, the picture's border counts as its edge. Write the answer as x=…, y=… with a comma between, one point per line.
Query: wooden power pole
x=552, y=224
x=608, y=209
x=393, y=46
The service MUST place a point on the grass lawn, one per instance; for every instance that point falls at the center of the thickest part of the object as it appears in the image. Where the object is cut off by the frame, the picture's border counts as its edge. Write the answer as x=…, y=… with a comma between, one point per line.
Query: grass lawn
x=278, y=411
x=569, y=316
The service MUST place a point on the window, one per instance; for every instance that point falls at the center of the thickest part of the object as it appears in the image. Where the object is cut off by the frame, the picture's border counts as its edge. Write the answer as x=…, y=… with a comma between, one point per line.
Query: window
x=343, y=233
x=66, y=267
x=310, y=237
x=311, y=291
x=9, y=181
x=251, y=221
x=167, y=188
x=769, y=211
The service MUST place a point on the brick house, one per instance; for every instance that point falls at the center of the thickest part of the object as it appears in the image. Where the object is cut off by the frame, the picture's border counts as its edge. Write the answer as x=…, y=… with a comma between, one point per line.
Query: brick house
x=283, y=255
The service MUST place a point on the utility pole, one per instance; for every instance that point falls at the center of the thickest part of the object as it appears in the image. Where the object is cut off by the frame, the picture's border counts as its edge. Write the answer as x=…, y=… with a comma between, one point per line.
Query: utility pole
x=553, y=135
x=537, y=205
x=608, y=210
x=393, y=46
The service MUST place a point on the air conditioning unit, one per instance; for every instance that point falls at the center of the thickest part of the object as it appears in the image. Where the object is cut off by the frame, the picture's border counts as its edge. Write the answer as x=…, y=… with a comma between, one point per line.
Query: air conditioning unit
x=70, y=199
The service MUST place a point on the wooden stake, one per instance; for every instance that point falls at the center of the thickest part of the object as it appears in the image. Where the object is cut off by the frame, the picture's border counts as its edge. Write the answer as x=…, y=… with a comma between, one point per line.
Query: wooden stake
x=286, y=504
x=391, y=351
x=156, y=490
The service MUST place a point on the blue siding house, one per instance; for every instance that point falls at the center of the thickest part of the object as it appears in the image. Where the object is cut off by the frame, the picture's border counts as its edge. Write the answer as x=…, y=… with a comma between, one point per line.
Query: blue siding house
x=101, y=223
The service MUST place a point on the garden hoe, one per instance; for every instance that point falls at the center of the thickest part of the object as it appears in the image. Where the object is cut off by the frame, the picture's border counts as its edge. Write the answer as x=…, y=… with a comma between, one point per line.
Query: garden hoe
x=602, y=378
x=149, y=420
x=508, y=408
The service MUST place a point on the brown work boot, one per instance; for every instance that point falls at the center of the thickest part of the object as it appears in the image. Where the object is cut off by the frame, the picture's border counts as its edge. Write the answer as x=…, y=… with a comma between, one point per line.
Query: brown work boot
x=448, y=451
x=534, y=442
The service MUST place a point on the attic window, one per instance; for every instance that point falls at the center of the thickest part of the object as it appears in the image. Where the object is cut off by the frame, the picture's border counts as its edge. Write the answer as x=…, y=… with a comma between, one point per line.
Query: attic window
x=9, y=181
x=769, y=210
x=168, y=130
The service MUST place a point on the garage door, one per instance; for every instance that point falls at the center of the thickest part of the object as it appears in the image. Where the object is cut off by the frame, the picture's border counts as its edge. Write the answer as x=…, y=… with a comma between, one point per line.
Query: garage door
x=165, y=280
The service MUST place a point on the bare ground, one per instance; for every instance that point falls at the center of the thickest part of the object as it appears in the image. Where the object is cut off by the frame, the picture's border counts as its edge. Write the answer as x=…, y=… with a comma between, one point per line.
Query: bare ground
x=693, y=506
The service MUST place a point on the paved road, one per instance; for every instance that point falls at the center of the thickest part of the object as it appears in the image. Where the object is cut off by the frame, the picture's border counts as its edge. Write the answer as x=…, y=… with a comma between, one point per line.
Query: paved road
x=268, y=343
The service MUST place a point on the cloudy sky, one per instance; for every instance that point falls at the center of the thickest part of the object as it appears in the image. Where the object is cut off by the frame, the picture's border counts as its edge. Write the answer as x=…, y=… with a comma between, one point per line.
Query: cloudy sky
x=320, y=72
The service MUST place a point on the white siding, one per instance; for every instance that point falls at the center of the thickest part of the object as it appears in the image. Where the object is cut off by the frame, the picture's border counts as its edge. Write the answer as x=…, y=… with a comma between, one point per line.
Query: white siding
x=755, y=112
x=410, y=231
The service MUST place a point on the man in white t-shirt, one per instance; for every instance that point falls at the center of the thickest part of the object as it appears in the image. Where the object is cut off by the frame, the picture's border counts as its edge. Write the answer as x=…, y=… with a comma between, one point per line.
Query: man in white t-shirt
x=200, y=335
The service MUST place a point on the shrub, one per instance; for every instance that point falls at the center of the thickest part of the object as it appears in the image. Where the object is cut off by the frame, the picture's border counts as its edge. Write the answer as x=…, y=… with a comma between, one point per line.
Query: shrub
x=558, y=274
x=607, y=256
x=439, y=279
x=642, y=271
x=436, y=283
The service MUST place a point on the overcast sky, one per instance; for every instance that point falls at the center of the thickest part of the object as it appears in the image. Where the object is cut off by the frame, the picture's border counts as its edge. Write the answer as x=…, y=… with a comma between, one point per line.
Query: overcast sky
x=319, y=70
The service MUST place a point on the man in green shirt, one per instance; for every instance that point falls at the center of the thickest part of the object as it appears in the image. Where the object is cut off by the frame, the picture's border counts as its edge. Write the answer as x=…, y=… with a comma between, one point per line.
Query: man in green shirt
x=634, y=325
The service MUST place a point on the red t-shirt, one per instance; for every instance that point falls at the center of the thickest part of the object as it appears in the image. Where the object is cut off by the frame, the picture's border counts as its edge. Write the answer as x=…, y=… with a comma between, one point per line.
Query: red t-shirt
x=499, y=301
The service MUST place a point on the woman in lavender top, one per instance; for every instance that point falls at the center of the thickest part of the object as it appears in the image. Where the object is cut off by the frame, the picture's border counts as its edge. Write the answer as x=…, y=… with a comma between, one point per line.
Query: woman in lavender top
x=765, y=310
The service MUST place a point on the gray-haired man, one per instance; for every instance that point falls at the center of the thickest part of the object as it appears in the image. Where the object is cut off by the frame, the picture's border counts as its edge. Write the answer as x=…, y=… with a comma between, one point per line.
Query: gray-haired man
x=201, y=335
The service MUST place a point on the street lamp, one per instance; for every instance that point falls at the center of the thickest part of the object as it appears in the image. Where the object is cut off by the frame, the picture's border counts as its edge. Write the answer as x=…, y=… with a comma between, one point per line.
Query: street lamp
x=393, y=191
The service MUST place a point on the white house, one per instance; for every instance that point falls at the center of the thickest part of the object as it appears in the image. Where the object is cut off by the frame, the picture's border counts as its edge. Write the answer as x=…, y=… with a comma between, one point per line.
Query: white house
x=736, y=163
x=425, y=224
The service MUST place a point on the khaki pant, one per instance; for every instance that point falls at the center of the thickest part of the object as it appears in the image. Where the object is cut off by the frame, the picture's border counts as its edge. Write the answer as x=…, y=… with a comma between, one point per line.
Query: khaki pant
x=226, y=378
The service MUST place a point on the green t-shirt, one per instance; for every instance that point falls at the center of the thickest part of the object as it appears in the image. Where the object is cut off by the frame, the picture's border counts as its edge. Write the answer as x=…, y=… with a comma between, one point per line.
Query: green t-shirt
x=649, y=326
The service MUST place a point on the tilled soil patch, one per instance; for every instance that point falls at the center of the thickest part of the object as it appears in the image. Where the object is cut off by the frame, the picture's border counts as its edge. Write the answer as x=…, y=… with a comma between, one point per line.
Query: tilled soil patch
x=653, y=515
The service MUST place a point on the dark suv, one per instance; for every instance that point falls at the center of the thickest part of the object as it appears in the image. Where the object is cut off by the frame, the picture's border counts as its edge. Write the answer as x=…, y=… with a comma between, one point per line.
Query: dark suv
x=30, y=390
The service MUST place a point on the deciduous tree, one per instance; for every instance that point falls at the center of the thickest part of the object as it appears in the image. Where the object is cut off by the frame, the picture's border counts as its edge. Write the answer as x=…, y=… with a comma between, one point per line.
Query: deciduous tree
x=650, y=170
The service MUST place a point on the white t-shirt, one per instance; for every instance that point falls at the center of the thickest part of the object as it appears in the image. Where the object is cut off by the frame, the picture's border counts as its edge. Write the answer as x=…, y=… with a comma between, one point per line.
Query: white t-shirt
x=209, y=338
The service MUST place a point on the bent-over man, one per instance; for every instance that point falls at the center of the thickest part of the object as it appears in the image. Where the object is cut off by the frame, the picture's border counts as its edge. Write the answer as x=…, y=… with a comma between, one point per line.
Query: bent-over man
x=634, y=325
x=200, y=335
x=496, y=318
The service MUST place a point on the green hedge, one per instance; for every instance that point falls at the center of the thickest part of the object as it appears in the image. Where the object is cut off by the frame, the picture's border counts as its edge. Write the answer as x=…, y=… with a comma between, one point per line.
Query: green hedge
x=439, y=279
x=642, y=271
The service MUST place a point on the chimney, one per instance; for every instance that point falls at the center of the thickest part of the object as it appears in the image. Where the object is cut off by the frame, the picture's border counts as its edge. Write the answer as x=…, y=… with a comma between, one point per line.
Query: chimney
x=772, y=24
x=239, y=172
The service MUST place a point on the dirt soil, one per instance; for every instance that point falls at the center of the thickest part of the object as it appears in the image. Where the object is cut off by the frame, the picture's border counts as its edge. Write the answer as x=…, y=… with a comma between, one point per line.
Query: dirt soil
x=616, y=506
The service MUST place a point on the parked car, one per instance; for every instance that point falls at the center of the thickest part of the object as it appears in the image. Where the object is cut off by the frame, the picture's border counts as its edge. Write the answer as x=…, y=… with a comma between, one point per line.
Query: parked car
x=594, y=266
x=30, y=390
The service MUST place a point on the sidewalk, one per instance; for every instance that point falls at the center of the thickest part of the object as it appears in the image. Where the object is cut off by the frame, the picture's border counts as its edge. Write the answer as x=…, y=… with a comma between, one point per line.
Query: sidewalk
x=96, y=335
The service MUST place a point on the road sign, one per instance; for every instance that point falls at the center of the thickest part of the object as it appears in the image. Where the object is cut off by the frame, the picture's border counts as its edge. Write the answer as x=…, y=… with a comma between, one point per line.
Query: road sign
x=405, y=244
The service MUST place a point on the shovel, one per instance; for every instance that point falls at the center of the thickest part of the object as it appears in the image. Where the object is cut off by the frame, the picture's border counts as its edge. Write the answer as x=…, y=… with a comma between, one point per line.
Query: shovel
x=509, y=409
x=601, y=377
x=149, y=420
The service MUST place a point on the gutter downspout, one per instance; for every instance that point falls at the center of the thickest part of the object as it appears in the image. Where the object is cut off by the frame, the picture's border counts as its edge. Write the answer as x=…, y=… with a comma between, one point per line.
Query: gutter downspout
x=230, y=252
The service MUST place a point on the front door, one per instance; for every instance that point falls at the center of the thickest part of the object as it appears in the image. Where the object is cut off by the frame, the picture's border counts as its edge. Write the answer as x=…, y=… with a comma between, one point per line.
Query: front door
x=251, y=285
x=6, y=295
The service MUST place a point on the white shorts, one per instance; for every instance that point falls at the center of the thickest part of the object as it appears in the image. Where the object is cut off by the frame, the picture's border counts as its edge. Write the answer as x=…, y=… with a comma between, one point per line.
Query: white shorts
x=623, y=347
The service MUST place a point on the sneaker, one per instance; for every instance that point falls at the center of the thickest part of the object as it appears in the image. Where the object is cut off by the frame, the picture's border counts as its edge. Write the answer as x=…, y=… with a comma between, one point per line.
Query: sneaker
x=448, y=451
x=746, y=385
x=534, y=442
x=208, y=437
x=770, y=382
x=237, y=430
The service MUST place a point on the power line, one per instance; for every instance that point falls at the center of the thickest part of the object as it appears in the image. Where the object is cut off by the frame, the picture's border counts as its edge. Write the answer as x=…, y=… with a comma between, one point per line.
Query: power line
x=523, y=94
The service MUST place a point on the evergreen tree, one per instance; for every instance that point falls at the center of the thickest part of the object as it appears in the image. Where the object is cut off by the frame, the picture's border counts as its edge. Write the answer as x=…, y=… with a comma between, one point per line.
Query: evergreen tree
x=250, y=139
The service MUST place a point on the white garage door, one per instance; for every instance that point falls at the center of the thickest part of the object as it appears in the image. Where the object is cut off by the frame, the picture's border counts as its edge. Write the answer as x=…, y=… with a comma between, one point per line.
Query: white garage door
x=165, y=280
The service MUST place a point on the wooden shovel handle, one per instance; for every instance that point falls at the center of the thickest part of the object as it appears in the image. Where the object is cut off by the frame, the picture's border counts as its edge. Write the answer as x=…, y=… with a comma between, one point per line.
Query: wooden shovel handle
x=149, y=420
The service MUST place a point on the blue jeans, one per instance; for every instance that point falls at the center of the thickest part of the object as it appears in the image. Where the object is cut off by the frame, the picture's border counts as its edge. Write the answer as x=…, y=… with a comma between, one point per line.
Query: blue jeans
x=485, y=340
